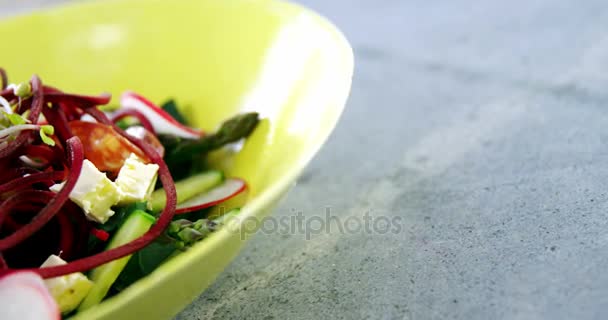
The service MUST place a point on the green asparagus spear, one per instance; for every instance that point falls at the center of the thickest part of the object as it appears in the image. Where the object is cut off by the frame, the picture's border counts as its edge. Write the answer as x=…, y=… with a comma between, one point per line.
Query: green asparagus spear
x=186, y=232
x=231, y=130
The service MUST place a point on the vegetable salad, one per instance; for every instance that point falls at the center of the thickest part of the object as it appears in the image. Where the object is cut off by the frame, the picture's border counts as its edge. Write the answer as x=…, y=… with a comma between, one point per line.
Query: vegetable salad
x=95, y=196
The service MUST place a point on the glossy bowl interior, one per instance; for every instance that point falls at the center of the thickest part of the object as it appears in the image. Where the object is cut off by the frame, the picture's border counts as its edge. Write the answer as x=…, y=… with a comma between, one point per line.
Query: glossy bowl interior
x=217, y=58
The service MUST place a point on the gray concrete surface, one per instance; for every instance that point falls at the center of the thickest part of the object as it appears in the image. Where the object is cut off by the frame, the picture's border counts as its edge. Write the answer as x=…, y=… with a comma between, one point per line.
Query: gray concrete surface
x=483, y=126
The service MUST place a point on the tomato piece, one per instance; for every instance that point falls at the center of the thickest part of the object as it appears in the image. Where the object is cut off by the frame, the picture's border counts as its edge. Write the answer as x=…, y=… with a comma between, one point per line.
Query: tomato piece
x=103, y=146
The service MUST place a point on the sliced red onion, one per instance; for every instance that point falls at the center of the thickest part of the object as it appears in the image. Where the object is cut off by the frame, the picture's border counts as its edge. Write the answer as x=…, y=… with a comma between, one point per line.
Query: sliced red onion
x=7, y=93
x=37, y=100
x=99, y=116
x=81, y=100
x=57, y=116
x=25, y=182
x=27, y=198
x=11, y=224
x=143, y=120
x=66, y=232
x=69, y=107
x=81, y=227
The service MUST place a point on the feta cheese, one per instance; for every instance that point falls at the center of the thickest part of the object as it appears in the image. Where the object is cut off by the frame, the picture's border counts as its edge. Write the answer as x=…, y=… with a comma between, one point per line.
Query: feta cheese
x=94, y=193
x=136, y=180
x=68, y=290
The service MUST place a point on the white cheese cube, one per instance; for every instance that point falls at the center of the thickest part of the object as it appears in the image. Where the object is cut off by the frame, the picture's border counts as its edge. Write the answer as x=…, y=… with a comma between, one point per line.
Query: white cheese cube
x=68, y=290
x=94, y=193
x=136, y=180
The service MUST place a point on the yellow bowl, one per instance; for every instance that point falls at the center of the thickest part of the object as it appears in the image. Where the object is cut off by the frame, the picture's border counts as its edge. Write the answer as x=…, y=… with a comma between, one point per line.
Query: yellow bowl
x=217, y=58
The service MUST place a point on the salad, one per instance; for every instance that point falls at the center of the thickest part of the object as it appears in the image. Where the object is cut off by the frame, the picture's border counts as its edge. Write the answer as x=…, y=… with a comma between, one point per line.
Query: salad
x=94, y=197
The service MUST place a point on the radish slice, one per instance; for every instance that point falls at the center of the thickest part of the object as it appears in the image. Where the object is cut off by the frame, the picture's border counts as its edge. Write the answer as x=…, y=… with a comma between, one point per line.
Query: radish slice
x=228, y=189
x=23, y=296
x=161, y=121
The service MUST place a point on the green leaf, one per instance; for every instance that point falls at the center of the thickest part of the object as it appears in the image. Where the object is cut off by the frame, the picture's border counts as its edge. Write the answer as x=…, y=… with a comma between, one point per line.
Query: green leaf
x=155, y=254
x=143, y=262
x=171, y=108
x=45, y=132
x=14, y=118
x=120, y=215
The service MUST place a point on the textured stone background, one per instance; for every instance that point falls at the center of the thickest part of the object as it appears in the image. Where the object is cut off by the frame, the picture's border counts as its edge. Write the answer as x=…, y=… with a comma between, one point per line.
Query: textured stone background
x=483, y=126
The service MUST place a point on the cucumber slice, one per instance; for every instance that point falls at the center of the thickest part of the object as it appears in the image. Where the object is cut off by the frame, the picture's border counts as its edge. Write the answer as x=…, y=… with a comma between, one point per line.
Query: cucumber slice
x=187, y=188
x=136, y=224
